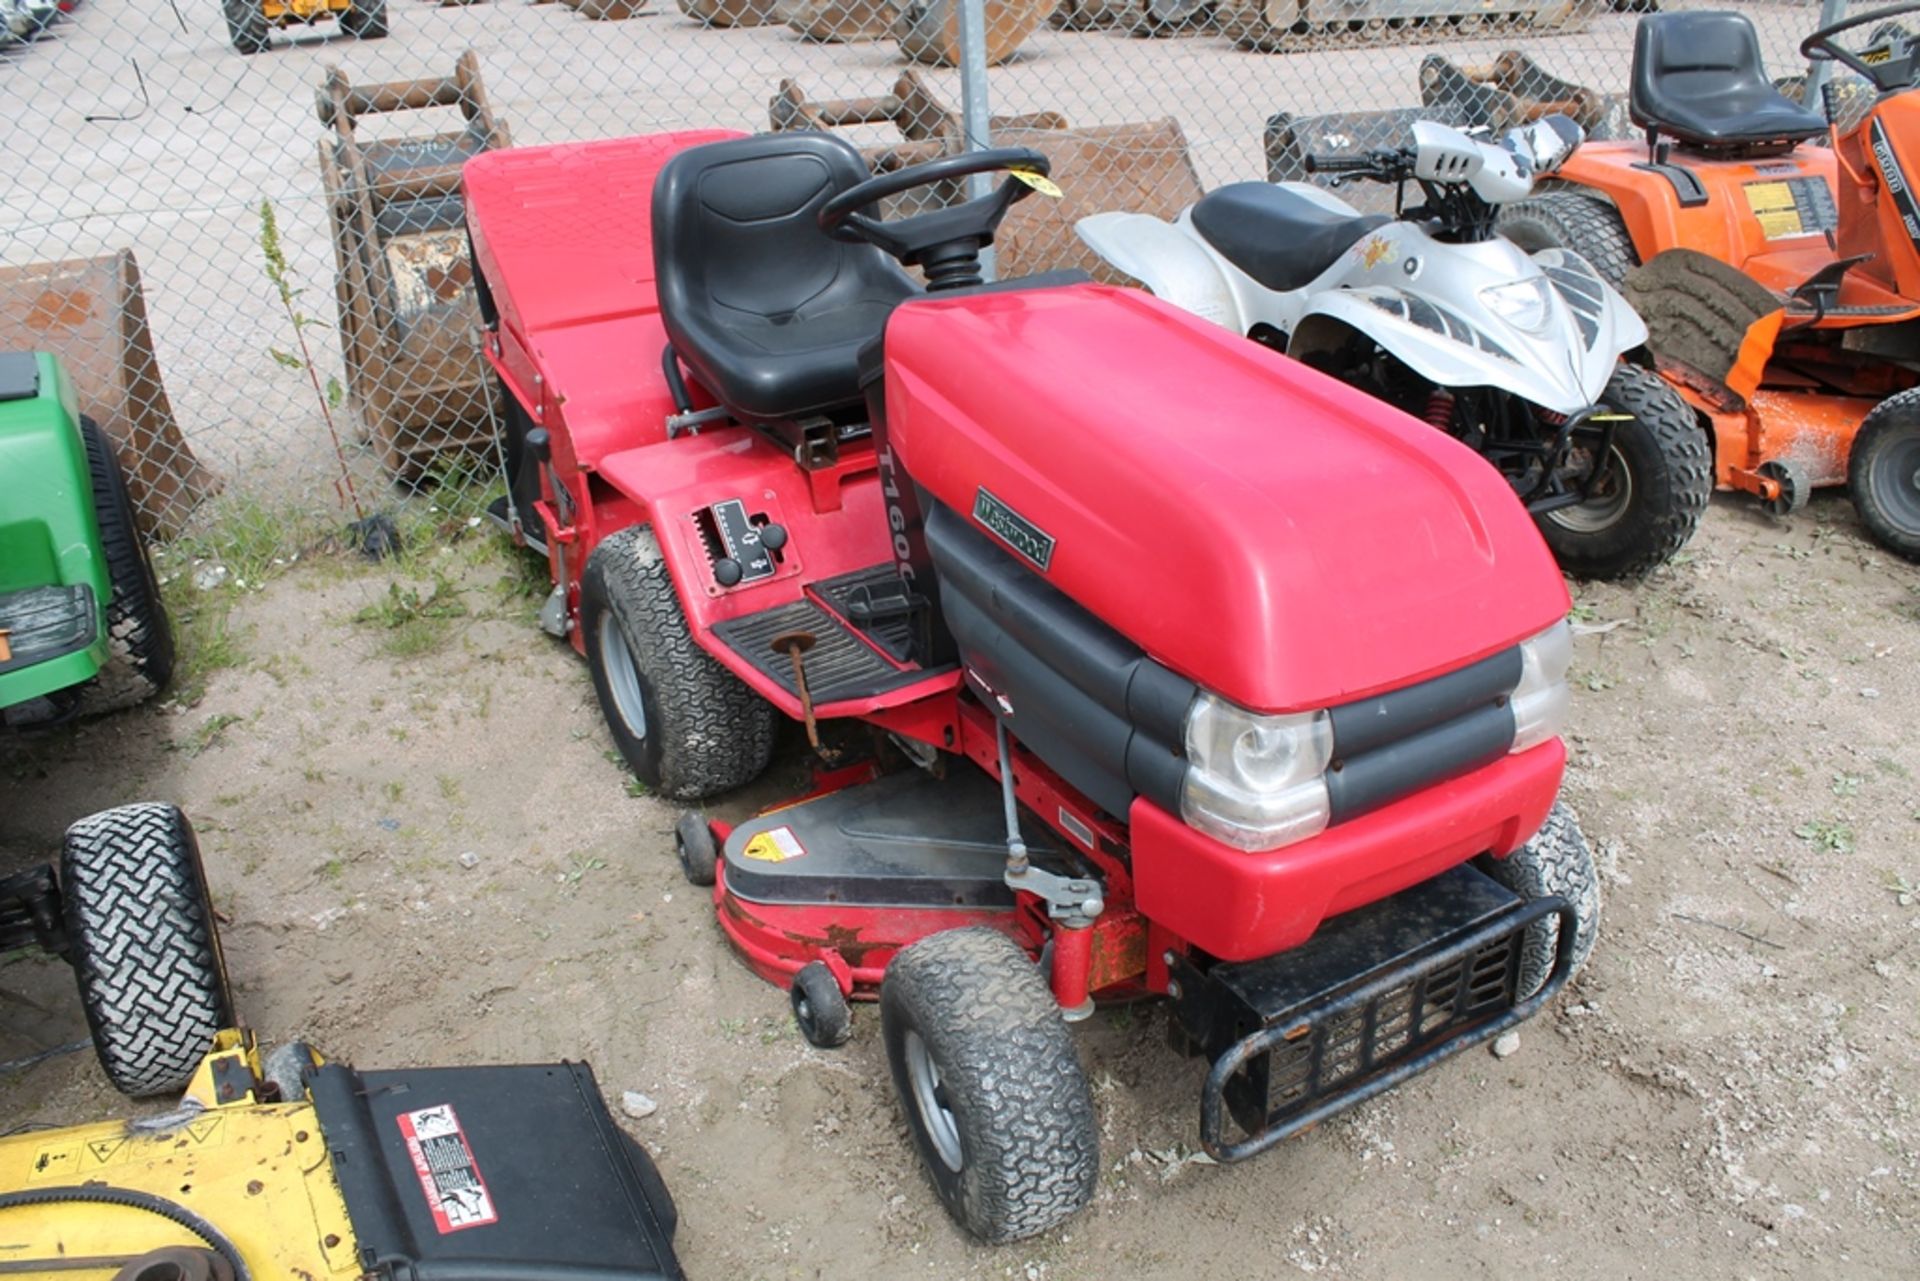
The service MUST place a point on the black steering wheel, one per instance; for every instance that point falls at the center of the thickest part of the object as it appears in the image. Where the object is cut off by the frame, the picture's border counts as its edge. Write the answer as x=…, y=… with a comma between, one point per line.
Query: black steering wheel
x=945, y=243
x=1890, y=73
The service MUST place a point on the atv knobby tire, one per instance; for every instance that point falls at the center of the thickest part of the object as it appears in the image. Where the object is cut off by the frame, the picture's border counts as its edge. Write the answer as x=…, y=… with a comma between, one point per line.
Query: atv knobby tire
x=990, y=1083
x=1588, y=225
x=366, y=20
x=1656, y=490
x=1883, y=473
x=145, y=949
x=139, y=638
x=1555, y=861
x=246, y=25
x=687, y=726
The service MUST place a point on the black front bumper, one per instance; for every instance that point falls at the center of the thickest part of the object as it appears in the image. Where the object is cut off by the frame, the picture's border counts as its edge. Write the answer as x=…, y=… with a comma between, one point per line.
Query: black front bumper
x=1376, y=996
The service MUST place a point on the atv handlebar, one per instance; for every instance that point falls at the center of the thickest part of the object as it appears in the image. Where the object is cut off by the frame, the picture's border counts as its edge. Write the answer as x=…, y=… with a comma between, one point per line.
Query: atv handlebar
x=1387, y=164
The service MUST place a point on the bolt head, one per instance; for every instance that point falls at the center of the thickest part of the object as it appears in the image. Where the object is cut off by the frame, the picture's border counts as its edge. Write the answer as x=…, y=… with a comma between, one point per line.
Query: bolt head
x=1173, y=989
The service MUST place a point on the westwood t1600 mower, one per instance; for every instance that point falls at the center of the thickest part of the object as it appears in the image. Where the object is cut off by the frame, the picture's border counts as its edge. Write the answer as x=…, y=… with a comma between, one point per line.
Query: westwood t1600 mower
x=1189, y=670
x=1781, y=285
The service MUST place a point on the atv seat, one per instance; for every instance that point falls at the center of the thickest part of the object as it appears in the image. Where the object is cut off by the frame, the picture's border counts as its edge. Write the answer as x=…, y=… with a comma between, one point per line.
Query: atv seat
x=1699, y=78
x=1279, y=237
x=766, y=310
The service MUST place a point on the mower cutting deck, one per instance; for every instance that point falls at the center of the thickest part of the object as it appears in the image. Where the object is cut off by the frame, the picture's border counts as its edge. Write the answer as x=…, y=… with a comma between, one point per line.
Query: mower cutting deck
x=1186, y=670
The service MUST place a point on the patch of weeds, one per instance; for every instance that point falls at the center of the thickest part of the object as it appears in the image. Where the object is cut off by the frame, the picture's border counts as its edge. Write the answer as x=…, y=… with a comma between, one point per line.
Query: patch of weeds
x=1829, y=835
x=449, y=787
x=634, y=787
x=332, y=870
x=208, y=733
x=1887, y=765
x=1594, y=681
x=415, y=622
x=393, y=789
x=1904, y=892
x=732, y=1029
x=1846, y=784
x=582, y=864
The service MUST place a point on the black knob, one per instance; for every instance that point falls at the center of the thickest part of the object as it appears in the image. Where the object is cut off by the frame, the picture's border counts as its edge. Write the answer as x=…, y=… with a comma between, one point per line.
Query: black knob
x=540, y=445
x=773, y=537
x=727, y=571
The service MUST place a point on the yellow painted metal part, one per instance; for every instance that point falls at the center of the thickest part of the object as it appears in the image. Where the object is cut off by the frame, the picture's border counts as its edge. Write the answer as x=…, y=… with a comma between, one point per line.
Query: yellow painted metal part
x=258, y=1172
x=302, y=10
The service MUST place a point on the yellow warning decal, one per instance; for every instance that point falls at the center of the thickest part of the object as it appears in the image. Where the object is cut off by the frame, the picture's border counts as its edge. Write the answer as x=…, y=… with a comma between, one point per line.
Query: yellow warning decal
x=1775, y=210
x=775, y=845
x=1039, y=182
x=70, y=1160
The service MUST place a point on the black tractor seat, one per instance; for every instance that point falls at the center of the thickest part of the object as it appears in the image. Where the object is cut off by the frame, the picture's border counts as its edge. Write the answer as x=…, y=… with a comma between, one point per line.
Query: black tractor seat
x=764, y=309
x=1699, y=79
x=1282, y=239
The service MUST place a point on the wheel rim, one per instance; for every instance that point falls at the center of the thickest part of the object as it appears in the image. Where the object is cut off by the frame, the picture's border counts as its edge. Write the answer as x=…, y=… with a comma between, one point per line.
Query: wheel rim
x=1896, y=482
x=623, y=677
x=1603, y=509
x=929, y=1100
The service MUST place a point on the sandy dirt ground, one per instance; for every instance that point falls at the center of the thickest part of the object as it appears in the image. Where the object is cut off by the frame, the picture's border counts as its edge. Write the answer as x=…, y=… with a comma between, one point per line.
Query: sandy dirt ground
x=1728, y=1091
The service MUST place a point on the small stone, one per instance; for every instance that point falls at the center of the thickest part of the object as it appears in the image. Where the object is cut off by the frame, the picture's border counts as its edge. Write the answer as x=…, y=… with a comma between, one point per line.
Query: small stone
x=1506, y=1044
x=208, y=577
x=1869, y=693
x=469, y=860
x=637, y=1105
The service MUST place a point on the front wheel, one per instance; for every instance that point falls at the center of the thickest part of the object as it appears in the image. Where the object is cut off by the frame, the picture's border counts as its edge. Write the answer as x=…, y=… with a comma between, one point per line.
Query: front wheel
x=686, y=725
x=990, y=1082
x=1883, y=474
x=1652, y=492
x=366, y=20
x=145, y=948
x=1556, y=861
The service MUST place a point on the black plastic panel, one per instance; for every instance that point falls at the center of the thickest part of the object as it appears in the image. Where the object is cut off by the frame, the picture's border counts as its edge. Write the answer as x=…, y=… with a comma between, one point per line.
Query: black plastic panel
x=906, y=840
x=1363, y=726
x=1388, y=773
x=567, y=1195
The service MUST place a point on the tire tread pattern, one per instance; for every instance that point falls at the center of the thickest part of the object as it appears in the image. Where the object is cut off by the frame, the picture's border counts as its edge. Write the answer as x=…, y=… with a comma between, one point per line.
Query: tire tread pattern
x=1019, y=1095
x=1570, y=219
x=1556, y=861
x=145, y=952
x=139, y=639
x=1893, y=417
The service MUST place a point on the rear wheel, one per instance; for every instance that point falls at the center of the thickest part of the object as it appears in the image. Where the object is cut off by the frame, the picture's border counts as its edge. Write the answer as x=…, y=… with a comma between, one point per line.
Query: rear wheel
x=1883, y=474
x=1556, y=861
x=686, y=725
x=990, y=1083
x=139, y=638
x=145, y=949
x=1588, y=225
x=1649, y=500
x=246, y=25
x=366, y=20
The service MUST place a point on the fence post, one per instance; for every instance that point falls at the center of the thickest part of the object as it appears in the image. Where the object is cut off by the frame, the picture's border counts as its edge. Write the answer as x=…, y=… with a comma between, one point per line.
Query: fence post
x=974, y=112
x=1830, y=13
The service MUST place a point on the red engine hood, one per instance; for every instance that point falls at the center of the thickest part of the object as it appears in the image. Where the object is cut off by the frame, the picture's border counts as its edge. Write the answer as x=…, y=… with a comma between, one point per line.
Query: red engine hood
x=1258, y=527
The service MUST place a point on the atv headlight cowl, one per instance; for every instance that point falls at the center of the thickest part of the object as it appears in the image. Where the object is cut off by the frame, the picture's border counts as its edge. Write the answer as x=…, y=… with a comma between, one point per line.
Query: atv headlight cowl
x=1525, y=304
x=1255, y=782
x=1540, y=699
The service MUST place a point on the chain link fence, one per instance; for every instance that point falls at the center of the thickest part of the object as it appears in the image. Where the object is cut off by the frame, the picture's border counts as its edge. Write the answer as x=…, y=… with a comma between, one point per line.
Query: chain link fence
x=239, y=222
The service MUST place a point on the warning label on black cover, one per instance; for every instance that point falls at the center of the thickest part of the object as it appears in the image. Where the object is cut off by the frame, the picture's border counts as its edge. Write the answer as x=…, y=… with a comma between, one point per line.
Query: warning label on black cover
x=449, y=1176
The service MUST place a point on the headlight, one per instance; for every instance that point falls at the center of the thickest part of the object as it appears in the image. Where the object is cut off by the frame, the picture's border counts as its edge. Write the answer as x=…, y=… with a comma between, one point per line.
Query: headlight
x=1540, y=699
x=1524, y=304
x=1255, y=782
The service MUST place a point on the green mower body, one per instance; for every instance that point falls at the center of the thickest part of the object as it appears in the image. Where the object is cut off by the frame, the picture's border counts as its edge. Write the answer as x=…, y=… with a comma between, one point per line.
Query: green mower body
x=77, y=594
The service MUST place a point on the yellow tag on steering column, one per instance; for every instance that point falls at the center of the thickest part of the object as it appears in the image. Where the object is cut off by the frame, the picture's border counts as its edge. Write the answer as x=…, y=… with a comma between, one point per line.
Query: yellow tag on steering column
x=1039, y=182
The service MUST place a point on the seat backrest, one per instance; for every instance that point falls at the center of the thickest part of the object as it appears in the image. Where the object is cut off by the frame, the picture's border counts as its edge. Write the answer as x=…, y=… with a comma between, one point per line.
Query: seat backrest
x=1692, y=58
x=735, y=227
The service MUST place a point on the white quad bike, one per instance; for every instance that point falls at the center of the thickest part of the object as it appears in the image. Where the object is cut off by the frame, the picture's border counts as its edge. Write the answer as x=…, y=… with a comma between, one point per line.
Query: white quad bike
x=1534, y=361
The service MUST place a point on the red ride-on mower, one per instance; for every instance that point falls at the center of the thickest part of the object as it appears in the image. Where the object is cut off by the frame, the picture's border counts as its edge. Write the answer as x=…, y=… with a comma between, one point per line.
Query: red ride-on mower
x=1189, y=671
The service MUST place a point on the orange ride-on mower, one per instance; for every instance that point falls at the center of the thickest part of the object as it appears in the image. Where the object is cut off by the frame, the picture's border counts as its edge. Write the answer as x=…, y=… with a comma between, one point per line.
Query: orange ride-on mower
x=1781, y=284
x=1143, y=660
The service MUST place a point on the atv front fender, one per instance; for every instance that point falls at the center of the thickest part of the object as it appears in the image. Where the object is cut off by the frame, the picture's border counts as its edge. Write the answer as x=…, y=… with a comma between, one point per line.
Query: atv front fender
x=1168, y=261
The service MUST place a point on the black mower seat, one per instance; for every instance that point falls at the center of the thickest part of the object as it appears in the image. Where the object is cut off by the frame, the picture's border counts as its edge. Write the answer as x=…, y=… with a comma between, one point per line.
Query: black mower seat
x=1281, y=239
x=1699, y=79
x=766, y=310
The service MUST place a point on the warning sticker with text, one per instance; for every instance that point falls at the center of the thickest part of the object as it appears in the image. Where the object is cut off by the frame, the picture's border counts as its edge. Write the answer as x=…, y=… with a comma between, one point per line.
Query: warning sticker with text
x=456, y=1194
x=775, y=845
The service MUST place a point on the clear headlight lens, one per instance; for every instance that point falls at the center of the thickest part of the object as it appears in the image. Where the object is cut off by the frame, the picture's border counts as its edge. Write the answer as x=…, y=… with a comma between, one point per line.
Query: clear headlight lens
x=1524, y=304
x=1540, y=699
x=1255, y=782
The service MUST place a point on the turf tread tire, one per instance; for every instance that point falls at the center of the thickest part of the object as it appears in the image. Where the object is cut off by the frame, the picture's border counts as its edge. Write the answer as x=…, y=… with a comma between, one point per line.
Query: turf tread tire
x=1893, y=420
x=1566, y=219
x=1019, y=1096
x=139, y=638
x=247, y=28
x=366, y=20
x=1671, y=464
x=707, y=732
x=1556, y=861
x=145, y=950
